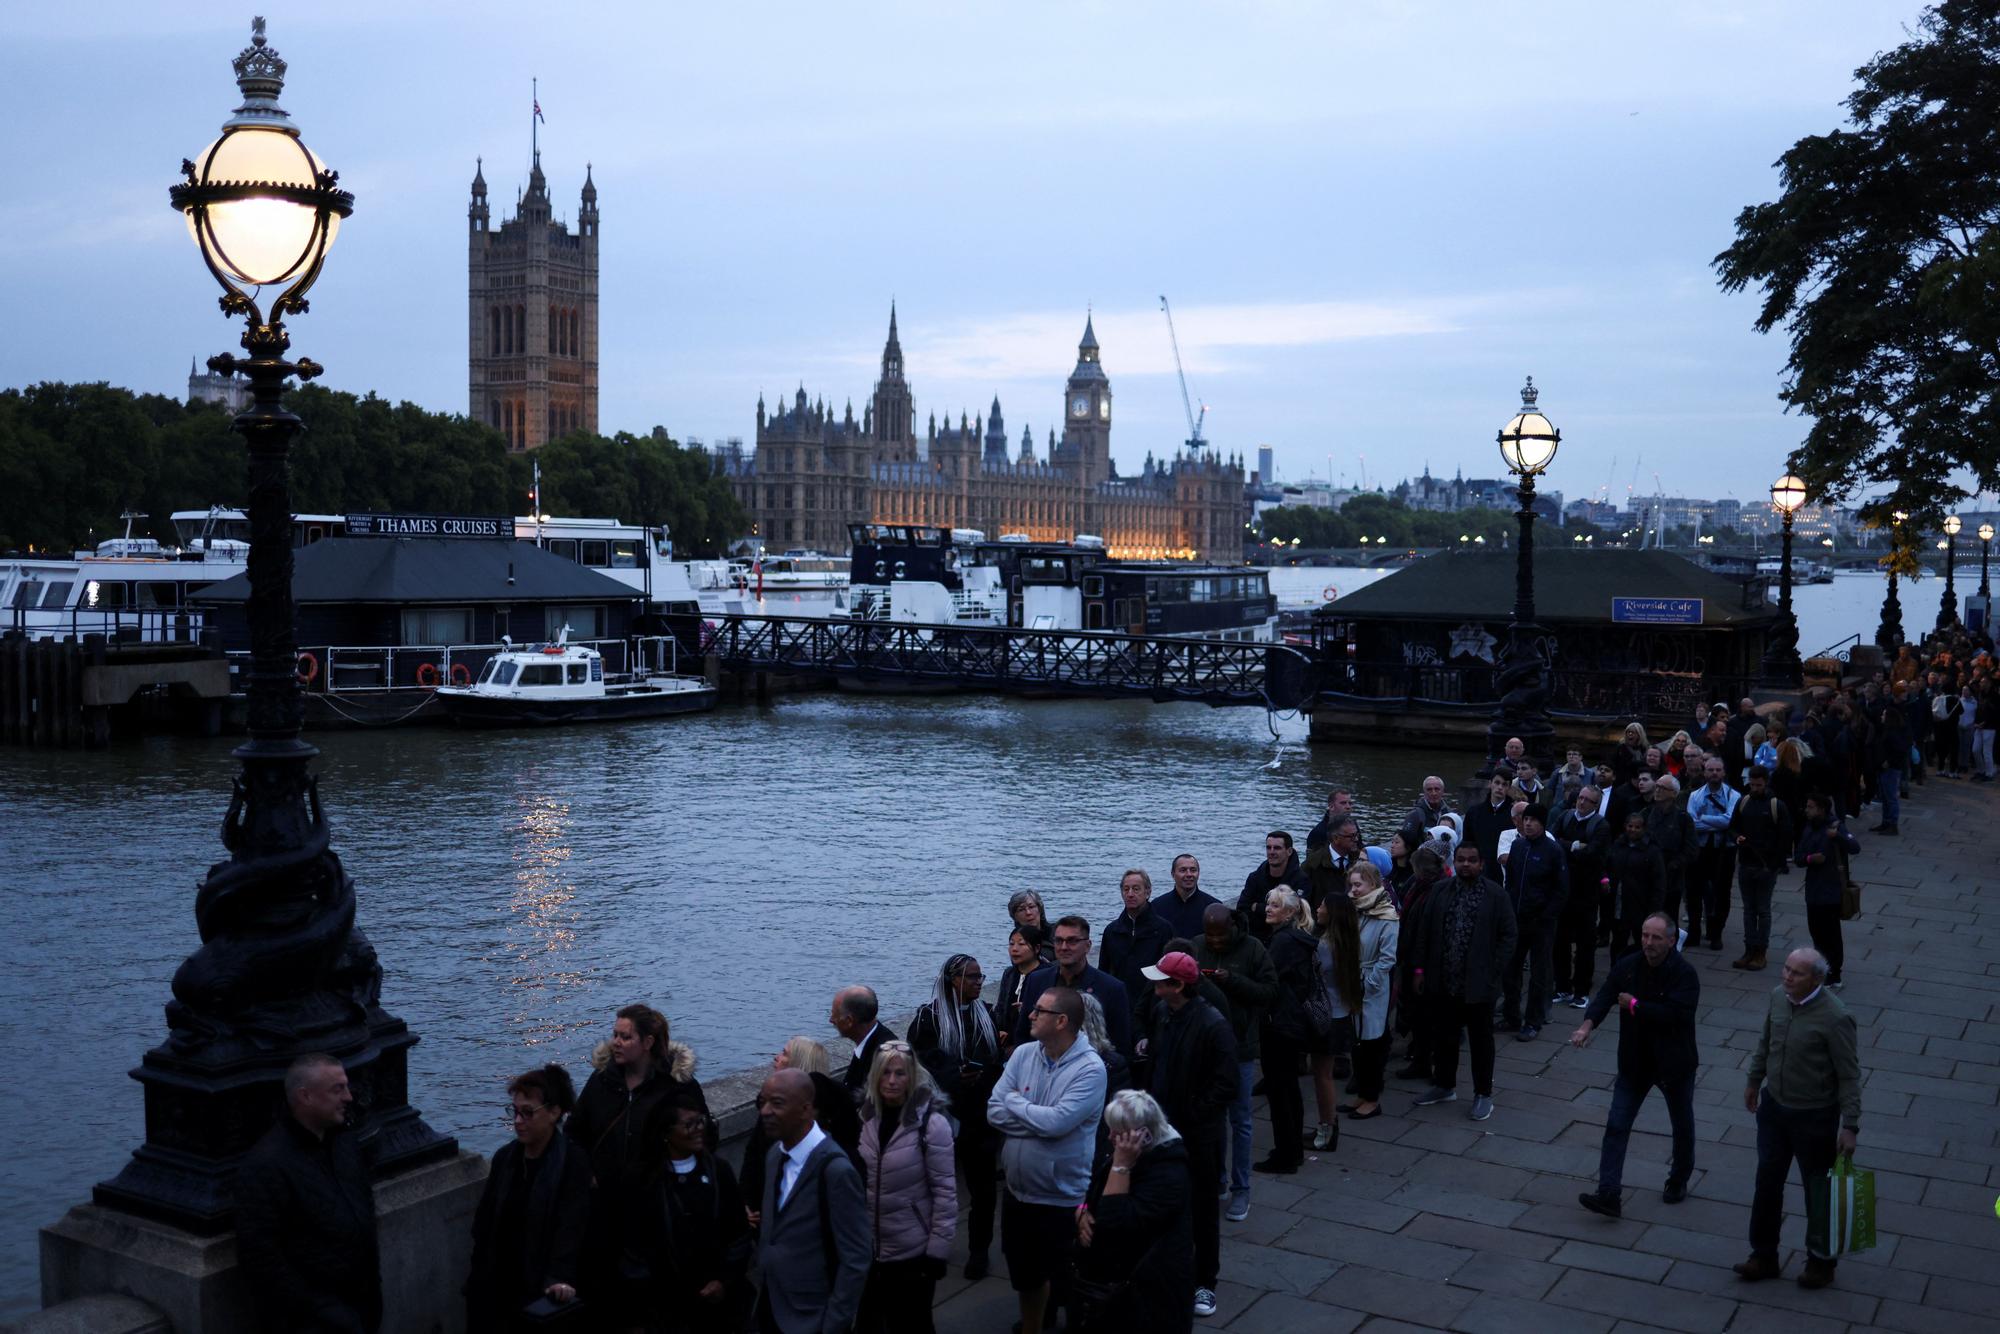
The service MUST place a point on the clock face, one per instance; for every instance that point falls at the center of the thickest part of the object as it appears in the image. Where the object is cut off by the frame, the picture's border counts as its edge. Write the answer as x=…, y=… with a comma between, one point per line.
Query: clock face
x=1079, y=406
x=1104, y=409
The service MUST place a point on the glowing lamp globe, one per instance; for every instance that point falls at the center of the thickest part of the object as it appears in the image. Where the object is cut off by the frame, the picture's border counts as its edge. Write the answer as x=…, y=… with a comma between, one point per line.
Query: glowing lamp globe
x=1787, y=494
x=1952, y=523
x=1528, y=441
x=1986, y=532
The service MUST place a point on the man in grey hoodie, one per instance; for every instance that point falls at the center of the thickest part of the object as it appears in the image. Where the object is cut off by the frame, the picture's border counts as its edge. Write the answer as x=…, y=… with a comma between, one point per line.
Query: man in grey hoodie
x=1047, y=1105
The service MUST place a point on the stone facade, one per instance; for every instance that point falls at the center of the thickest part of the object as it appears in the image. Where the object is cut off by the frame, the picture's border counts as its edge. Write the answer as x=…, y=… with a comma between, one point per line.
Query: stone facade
x=814, y=471
x=231, y=391
x=532, y=332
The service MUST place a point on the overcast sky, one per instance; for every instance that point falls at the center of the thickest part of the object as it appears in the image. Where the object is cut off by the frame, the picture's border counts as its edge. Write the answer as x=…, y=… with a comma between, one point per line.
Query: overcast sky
x=1372, y=218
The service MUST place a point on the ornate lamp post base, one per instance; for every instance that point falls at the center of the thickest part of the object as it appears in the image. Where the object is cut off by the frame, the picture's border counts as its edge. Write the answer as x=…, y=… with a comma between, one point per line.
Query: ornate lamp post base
x=1523, y=683
x=1889, y=635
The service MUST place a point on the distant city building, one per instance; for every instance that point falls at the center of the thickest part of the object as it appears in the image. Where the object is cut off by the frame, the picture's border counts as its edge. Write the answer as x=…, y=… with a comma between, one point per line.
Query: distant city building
x=233, y=392
x=815, y=470
x=1266, y=469
x=532, y=332
x=1598, y=513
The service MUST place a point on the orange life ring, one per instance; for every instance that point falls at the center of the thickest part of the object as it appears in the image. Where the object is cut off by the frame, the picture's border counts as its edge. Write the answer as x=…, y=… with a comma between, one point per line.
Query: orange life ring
x=427, y=675
x=308, y=667
x=461, y=675
x=553, y=651
x=1330, y=592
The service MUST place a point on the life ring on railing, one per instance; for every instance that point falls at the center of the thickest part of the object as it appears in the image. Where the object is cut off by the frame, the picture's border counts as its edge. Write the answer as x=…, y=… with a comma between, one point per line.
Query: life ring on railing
x=461, y=675
x=1330, y=592
x=427, y=676
x=552, y=651
x=308, y=669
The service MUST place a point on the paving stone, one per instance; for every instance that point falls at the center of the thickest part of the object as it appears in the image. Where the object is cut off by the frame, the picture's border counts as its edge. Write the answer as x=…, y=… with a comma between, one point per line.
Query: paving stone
x=1963, y=1294
x=1573, y=1221
x=1611, y=1260
x=1629, y=1299
x=1435, y=1138
x=1391, y=1294
x=1360, y=1246
x=1914, y=1319
x=1282, y=1313
x=1481, y=1238
x=1831, y=1303
x=1507, y=1275
x=1703, y=1247
x=1493, y=1314
x=1272, y=1269
x=1426, y=1198
x=1381, y=1215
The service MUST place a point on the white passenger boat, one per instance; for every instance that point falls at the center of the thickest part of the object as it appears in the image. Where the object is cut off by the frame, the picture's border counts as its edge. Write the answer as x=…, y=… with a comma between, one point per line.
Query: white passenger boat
x=544, y=684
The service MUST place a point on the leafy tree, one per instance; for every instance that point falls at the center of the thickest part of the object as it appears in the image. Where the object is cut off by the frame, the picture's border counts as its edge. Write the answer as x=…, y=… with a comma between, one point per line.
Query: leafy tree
x=1880, y=260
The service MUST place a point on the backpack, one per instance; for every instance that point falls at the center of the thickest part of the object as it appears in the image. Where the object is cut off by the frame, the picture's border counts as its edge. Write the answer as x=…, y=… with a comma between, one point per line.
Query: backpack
x=1310, y=1021
x=1941, y=707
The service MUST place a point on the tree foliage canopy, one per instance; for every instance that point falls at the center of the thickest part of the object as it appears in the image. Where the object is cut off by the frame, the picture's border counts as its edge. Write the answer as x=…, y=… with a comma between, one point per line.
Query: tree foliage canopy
x=1371, y=517
x=73, y=457
x=1881, y=262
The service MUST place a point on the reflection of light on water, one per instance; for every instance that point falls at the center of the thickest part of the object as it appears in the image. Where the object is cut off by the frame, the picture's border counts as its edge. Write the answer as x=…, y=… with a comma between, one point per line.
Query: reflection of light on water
x=543, y=929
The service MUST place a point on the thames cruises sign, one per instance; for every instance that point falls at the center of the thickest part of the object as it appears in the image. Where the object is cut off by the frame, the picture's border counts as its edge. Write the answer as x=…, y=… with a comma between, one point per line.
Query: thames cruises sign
x=487, y=527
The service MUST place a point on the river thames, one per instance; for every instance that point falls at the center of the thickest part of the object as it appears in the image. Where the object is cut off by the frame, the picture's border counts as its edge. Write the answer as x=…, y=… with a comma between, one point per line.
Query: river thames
x=732, y=868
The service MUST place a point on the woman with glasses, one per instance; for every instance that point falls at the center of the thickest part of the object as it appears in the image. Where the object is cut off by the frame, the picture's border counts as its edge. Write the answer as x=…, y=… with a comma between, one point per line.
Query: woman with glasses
x=528, y=1232
x=688, y=1243
x=906, y=1149
x=957, y=1038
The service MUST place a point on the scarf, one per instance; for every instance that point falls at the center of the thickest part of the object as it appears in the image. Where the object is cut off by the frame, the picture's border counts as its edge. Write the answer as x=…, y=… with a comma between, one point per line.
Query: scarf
x=1376, y=903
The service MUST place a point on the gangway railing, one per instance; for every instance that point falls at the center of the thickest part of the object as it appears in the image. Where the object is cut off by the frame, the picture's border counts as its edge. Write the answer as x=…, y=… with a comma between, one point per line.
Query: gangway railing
x=1070, y=662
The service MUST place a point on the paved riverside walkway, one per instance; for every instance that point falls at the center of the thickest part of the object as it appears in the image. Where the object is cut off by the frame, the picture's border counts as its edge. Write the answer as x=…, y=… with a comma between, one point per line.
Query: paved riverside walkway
x=1425, y=1220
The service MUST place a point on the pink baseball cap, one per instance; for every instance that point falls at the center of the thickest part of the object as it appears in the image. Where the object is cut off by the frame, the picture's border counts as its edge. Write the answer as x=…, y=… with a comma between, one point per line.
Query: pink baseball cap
x=1175, y=967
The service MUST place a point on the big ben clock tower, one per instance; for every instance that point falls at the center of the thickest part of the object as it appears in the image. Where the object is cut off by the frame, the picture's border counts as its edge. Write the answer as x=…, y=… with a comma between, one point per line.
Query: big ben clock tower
x=1087, y=413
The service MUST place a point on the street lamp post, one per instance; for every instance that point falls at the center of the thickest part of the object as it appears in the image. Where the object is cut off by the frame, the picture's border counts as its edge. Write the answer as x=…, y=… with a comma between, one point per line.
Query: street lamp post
x=1781, y=650
x=1948, y=607
x=1889, y=634
x=1985, y=550
x=1528, y=444
x=283, y=969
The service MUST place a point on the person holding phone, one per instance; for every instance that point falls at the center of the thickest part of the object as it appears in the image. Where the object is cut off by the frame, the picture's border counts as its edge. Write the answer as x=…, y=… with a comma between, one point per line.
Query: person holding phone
x=956, y=1038
x=1135, y=1233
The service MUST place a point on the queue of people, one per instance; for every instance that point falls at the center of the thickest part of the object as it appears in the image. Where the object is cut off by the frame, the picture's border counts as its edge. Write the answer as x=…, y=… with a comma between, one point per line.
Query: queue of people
x=1096, y=1119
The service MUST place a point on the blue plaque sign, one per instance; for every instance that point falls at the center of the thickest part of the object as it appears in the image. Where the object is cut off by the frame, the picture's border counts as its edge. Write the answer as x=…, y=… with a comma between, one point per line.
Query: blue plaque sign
x=1656, y=611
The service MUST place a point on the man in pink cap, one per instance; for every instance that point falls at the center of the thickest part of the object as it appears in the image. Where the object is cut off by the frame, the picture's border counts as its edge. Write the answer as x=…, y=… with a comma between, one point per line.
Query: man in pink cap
x=1194, y=1079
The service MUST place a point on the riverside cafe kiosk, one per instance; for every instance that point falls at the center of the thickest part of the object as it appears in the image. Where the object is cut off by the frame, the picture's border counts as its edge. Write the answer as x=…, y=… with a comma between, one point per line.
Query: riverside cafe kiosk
x=1643, y=636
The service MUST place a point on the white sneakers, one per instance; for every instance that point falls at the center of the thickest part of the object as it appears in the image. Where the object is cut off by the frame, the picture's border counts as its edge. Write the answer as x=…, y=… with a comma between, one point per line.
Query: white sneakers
x=1204, y=1301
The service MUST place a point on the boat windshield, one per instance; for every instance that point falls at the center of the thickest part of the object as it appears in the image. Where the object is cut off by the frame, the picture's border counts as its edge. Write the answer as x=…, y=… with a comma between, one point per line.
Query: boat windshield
x=542, y=674
x=505, y=675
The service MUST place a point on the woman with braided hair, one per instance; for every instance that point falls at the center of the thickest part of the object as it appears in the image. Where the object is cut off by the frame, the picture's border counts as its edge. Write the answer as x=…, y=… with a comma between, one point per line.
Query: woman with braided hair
x=957, y=1039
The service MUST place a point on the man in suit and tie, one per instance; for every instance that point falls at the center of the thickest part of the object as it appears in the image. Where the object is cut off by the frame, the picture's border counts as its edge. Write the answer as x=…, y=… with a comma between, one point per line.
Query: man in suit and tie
x=853, y=1017
x=813, y=1201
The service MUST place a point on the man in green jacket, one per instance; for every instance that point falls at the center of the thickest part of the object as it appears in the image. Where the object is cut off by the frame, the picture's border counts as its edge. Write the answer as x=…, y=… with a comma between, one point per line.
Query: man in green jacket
x=1236, y=961
x=1805, y=1087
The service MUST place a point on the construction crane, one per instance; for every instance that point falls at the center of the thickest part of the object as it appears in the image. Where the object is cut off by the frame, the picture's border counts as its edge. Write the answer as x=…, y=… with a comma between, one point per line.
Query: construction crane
x=1187, y=404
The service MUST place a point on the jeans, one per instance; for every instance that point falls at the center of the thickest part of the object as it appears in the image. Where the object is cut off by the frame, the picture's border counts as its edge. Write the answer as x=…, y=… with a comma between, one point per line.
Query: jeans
x=1823, y=922
x=1982, y=750
x=1889, y=786
x=1534, y=946
x=1811, y=1136
x=1287, y=1101
x=1708, y=892
x=1242, y=1126
x=1626, y=1095
x=1758, y=885
x=1451, y=1015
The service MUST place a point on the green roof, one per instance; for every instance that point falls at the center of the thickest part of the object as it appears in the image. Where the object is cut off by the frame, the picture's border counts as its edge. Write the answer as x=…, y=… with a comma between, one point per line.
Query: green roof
x=1570, y=587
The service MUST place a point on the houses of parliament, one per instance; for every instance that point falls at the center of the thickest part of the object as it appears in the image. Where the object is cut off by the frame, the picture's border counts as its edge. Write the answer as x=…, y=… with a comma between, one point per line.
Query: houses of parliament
x=532, y=358
x=815, y=471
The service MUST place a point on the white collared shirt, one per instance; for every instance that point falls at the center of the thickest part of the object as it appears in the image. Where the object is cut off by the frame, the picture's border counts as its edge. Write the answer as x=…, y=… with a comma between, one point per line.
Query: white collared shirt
x=795, y=1161
x=863, y=1044
x=1798, y=1004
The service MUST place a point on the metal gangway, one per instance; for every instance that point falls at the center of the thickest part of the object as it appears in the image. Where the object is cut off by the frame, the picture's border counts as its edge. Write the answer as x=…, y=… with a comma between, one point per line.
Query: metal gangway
x=1013, y=660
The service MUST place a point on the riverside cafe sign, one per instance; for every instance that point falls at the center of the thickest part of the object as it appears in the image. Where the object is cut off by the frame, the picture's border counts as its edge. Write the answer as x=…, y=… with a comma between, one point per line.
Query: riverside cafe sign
x=1656, y=611
x=484, y=527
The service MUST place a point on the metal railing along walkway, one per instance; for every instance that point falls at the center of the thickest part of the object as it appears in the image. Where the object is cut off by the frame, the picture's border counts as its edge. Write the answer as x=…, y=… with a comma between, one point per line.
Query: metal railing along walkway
x=1067, y=662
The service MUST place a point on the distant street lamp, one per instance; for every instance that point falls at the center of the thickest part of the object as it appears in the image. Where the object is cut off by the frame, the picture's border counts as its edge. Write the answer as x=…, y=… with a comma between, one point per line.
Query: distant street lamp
x=1781, y=650
x=1889, y=634
x=1948, y=607
x=1985, y=550
x=282, y=970
x=1528, y=444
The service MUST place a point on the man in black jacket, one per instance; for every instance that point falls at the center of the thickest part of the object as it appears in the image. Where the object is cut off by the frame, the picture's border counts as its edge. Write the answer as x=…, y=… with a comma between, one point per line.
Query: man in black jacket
x=1761, y=829
x=1136, y=937
x=1485, y=822
x=1072, y=969
x=1428, y=812
x=1279, y=867
x=1465, y=937
x=853, y=1017
x=1537, y=880
x=1636, y=875
x=1655, y=992
x=305, y=1213
x=1583, y=835
x=1195, y=1080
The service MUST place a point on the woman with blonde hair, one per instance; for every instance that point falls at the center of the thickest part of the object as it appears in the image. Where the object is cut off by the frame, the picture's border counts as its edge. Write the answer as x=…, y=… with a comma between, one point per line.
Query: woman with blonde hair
x=912, y=1191
x=1676, y=756
x=1380, y=930
x=1287, y=1032
x=835, y=1115
x=1630, y=757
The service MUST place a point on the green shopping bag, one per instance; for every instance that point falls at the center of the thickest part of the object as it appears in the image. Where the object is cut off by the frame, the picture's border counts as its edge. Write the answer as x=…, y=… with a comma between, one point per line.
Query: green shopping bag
x=1850, y=1207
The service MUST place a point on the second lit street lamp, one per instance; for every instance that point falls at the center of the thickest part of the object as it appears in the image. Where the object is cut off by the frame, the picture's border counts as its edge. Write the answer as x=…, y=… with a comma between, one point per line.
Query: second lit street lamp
x=1948, y=606
x=1781, y=651
x=1528, y=445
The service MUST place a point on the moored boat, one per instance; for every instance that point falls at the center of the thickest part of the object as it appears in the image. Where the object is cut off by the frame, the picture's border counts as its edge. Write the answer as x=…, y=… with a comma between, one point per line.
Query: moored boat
x=545, y=684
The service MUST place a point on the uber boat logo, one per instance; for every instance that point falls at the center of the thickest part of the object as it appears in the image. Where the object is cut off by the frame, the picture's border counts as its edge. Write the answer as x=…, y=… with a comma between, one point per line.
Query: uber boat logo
x=429, y=525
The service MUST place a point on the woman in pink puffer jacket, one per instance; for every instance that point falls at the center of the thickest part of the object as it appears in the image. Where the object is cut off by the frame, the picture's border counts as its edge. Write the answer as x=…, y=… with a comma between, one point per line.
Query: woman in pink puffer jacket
x=906, y=1148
